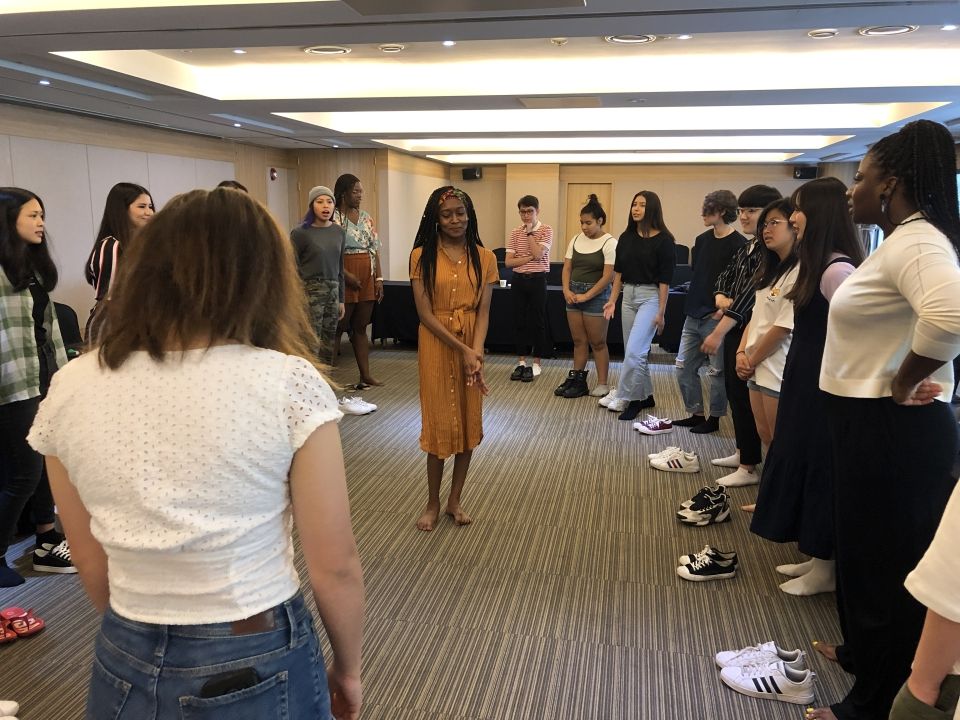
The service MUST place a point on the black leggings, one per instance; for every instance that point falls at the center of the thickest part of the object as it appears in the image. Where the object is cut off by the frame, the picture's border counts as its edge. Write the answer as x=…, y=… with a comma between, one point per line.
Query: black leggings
x=738, y=395
x=529, y=295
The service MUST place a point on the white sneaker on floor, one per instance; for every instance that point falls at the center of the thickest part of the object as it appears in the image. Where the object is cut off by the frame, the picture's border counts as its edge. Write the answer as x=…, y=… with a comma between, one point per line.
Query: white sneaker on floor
x=740, y=478
x=537, y=369
x=608, y=398
x=664, y=453
x=654, y=426
x=731, y=461
x=600, y=391
x=765, y=653
x=8, y=707
x=776, y=681
x=682, y=462
x=355, y=406
x=618, y=405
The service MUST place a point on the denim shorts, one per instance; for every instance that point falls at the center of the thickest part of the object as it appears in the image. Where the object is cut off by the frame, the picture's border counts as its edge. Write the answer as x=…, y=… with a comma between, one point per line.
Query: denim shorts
x=594, y=306
x=143, y=671
x=775, y=394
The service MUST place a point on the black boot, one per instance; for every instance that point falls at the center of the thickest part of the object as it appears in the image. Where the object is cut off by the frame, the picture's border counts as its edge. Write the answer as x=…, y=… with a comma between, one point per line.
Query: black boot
x=562, y=387
x=578, y=388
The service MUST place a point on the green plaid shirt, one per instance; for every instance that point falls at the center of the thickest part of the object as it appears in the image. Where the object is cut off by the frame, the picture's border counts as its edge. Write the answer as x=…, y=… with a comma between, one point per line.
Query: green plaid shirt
x=19, y=356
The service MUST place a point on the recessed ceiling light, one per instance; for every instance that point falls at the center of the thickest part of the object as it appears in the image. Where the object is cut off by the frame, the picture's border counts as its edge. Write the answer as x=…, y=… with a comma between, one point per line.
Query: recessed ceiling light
x=684, y=37
x=239, y=51
x=336, y=146
x=326, y=50
x=948, y=27
x=823, y=33
x=390, y=47
x=449, y=43
x=44, y=82
x=559, y=41
x=630, y=39
x=887, y=30
x=237, y=125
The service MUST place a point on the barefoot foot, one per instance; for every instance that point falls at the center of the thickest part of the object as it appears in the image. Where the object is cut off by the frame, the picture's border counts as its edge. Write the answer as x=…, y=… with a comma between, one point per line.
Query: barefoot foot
x=428, y=520
x=749, y=508
x=371, y=381
x=795, y=570
x=459, y=516
x=824, y=713
x=826, y=649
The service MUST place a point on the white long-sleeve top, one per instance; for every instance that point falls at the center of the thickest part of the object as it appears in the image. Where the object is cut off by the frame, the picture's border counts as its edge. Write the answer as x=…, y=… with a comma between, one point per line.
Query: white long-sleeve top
x=906, y=296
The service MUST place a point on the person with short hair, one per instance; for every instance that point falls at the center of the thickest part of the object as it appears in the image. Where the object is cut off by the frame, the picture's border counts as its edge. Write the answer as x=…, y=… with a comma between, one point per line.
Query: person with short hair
x=181, y=452
x=318, y=243
x=528, y=254
x=712, y=252
x=233, y=184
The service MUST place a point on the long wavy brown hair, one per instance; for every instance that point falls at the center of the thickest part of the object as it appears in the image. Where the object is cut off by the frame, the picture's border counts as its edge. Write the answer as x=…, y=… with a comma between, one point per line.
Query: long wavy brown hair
x=211, y=266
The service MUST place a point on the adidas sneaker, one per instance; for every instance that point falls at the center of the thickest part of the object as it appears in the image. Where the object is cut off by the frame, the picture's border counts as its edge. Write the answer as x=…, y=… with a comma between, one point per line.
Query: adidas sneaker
x=773, y=681
x=663, y=453
x=712, y=552
x=765, y=653
x=682, y=462
x=705, y=496
x=705, y=567
x=717, y=512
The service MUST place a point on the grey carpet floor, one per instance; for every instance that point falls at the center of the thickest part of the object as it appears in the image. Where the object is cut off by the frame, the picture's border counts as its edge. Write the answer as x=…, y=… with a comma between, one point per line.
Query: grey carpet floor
x=560, y=601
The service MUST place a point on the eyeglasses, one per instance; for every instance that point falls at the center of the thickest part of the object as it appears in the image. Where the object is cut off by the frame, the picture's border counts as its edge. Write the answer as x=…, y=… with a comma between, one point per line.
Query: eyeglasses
x=748, y=211
x=772, y=224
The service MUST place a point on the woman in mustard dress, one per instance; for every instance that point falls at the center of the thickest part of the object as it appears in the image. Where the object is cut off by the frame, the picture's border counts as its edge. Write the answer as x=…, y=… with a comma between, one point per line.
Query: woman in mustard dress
x=451, y=274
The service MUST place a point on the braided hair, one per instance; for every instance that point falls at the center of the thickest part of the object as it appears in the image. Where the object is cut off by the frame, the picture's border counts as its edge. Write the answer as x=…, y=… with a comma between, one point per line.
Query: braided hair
x=428, y=239
x=922, y=157
x=344, y=185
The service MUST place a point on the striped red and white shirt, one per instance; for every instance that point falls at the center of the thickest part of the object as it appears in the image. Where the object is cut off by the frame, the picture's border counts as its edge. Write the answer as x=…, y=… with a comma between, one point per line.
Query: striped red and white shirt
x=103, y=265
x=522, y=243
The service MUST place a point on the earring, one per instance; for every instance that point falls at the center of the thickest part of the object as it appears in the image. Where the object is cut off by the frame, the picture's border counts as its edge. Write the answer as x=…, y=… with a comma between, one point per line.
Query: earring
x=436, y=228
x=883, y=204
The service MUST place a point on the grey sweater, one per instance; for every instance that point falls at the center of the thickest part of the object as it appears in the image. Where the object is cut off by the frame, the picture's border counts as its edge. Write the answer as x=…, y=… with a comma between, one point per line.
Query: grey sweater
x=320, y=253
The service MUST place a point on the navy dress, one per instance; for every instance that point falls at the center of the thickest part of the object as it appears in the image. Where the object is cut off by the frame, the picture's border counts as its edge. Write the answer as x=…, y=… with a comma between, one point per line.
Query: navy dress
x=795, y=502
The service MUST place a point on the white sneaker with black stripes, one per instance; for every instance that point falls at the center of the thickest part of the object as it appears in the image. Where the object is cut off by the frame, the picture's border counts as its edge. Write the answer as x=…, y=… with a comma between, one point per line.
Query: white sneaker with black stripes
x=682, y=462
x=772, y=681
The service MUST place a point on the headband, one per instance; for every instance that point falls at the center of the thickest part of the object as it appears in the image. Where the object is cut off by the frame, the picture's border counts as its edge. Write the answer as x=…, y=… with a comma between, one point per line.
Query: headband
x=451, y=193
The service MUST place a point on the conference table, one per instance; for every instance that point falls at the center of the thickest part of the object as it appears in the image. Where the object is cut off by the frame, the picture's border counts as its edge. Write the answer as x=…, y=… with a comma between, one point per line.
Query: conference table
x=396, y=319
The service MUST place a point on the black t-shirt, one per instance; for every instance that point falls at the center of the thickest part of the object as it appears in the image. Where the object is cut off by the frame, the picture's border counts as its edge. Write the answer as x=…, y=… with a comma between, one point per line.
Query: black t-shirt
x=645, y=260
x=710, y=256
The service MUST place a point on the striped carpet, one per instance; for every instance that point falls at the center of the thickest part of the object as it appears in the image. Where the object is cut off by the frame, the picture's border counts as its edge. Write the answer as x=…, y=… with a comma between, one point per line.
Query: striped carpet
x=560, y=601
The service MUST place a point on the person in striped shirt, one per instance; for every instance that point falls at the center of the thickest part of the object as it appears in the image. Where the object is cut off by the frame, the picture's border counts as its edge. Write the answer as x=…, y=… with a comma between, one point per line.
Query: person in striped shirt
x=128, y=208
x=528, y=253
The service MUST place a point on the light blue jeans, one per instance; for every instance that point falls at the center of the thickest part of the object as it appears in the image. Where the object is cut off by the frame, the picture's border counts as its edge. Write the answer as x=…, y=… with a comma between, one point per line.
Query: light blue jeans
x=157, y=672
x=638, y=310
x=689, y=361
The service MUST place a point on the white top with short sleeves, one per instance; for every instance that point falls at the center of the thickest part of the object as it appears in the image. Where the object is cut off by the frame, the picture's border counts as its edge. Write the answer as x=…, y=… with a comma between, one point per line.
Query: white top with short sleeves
x=586, y=245
x=770, y=309
x=183, y=466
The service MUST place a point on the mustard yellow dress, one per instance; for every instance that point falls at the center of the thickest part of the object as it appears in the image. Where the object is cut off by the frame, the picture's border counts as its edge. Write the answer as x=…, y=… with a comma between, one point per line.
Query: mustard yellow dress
x=451, y=412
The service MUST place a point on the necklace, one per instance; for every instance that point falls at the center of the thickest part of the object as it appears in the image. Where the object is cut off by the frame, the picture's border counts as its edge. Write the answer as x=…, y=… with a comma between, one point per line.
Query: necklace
x=907, y=222
x=452, y=258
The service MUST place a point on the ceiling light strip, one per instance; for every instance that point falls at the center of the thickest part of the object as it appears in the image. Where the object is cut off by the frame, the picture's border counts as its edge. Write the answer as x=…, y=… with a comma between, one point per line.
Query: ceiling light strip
x=614, y=158
x=48, y=75
x=255, y=123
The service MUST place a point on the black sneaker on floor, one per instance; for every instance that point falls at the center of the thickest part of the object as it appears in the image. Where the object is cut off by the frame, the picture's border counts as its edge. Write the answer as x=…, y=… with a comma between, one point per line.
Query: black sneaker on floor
x=705, y=567
x=705, y=496
x=517, y=373
x=54, y=559
x=562, y=387
x=710, y=425
x=717, y=512
x=712, y=552
x=578, y=387
x=527, y=374
x=690, y=422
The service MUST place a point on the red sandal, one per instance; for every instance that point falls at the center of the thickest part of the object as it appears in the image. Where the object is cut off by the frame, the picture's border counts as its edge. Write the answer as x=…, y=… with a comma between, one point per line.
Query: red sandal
x=23, y=622
x=6, y=633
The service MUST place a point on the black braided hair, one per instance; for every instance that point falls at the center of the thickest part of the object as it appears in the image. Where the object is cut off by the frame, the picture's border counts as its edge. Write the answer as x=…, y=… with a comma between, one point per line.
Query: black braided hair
x=341, y=187
x=923, y=158
x=428, y=238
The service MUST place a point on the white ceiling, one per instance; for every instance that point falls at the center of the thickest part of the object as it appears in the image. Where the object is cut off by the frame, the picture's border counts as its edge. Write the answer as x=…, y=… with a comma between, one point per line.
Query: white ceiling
x=177, y=63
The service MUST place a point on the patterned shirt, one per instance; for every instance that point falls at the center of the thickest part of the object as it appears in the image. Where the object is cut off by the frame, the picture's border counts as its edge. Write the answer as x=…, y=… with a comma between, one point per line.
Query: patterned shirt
x=521, y=243
x=19, y=354
x=361, y=236
x=736, y=282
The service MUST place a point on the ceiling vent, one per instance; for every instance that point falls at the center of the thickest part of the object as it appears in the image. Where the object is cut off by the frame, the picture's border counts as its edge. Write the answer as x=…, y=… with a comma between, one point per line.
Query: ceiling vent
x=630, y=39
x=326, y=50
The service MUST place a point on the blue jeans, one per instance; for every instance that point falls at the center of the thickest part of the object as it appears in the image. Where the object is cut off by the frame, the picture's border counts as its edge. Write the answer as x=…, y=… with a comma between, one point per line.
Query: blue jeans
x=689, y=361
x=638, y=310
x=155, y=672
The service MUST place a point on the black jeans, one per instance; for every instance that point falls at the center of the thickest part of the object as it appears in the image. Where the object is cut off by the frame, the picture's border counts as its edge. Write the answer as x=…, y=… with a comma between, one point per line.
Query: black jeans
x=529, y=294
x=738, y=395
x=21, y=470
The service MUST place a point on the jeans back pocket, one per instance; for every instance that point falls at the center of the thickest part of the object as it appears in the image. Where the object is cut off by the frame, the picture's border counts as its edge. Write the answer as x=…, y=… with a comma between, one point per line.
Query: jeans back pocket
x=108, y=693
x=267, y=700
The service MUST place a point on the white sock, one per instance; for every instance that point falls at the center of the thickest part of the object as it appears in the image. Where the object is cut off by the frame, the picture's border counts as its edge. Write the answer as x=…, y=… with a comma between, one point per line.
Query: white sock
x=821, y=578
x=796, y=570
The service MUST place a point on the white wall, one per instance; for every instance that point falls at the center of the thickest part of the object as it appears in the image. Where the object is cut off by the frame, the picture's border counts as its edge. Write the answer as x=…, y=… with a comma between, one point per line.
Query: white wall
x=73, y=180
x=409, y=182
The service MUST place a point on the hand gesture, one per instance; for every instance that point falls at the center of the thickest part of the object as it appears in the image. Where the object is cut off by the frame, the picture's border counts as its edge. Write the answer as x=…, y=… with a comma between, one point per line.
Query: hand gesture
x=923, y=393
x=658, y=323
x=609, y=308
x=711, y=344
x=744, y=369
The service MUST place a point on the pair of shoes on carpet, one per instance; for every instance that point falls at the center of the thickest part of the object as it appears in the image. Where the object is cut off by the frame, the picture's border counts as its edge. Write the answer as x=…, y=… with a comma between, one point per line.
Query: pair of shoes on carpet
x=574, y=386
x=653, y=426
x=768, y=672
x=699, y=424
x=709, y=506
x=708, y=564
x=355, y=406
x=675, y=460
x=525, y=373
